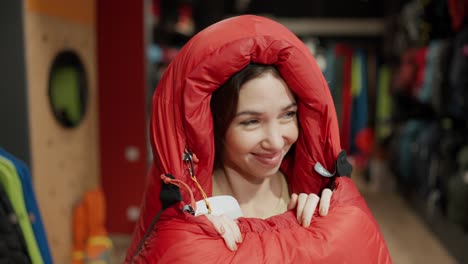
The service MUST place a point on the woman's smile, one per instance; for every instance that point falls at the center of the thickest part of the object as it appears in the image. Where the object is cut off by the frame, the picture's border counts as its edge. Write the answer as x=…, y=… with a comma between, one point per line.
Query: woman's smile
x=269, y=159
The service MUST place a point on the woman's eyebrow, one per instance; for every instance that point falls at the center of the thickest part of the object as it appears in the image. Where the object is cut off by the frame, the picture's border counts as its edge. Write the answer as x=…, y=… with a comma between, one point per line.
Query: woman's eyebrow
x=248, y=112
x=255, y=113
x=293, y=104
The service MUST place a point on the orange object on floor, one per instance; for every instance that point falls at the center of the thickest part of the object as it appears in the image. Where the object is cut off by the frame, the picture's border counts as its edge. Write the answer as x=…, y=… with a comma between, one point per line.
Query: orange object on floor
x=79, y=233
x=98, y=245
x=91, y=244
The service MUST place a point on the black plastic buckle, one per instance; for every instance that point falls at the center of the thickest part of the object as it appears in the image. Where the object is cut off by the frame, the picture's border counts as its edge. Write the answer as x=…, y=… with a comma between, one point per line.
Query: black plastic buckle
x=343, y=167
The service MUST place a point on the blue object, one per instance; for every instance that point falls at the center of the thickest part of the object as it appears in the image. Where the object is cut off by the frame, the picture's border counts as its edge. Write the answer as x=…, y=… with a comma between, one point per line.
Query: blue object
x=155, y=53
x=359, y=115
x=31, y=205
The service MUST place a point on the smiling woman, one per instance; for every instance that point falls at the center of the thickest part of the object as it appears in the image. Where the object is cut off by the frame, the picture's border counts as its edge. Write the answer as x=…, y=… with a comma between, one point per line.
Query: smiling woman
x=258, y=136
x=244, y=111
x=259, y=122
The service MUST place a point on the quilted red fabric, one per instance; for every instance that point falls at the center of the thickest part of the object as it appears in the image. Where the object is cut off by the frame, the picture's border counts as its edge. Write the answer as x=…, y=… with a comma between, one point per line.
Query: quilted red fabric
x=181, y=119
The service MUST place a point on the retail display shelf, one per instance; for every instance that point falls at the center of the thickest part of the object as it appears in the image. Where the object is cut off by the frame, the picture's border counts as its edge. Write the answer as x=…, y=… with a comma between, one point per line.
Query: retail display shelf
x=334, y=26
x=451, y=236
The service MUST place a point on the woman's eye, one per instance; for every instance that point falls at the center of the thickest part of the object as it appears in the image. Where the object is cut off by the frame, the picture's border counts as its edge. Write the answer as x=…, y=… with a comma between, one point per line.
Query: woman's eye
x=249, y=122
x=290, y=114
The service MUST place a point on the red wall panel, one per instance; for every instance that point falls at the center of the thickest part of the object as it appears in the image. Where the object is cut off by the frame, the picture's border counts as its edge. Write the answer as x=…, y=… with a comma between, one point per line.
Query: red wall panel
x=122, y=111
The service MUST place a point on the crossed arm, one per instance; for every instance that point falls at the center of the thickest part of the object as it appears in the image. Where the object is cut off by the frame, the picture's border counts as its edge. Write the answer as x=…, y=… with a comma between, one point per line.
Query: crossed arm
x=305, y=205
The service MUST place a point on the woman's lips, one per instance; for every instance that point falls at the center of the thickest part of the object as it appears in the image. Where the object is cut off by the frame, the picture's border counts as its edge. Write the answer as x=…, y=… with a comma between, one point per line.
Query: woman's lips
x=270, y=159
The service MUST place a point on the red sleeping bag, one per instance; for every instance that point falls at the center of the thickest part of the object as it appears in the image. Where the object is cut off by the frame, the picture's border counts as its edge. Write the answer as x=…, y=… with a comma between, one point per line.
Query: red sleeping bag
x=182, y=120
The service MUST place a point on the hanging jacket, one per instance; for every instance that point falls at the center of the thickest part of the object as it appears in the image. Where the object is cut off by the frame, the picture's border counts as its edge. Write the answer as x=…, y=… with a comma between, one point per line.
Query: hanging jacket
x=11, y=182
x=12, y=245
x=31, y=205
x=182, y=126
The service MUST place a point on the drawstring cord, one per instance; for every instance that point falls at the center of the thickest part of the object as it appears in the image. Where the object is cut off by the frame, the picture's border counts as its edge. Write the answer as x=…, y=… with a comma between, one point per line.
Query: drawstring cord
x=190, y=158
x=205, y=197
x=181, y=185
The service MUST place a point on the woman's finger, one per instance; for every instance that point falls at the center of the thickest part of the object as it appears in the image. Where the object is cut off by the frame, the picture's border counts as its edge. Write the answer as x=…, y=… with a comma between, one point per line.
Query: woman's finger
x=325, y=201
x=234, y=228
x=229, y=236
x=309, y=209
x=218, y=225
x=301, y=201
x=293, y=201
x=223, y=230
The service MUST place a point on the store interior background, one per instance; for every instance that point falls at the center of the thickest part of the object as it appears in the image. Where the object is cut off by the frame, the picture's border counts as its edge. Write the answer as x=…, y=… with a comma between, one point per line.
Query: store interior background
x=78, y=76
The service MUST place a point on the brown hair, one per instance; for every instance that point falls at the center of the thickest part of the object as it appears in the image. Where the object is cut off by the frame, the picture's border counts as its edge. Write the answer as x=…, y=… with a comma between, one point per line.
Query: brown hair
x=225, y=99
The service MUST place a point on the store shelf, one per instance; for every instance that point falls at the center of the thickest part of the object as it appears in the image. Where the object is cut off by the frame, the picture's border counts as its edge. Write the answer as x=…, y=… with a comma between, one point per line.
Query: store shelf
x=365, y=27
x=452, y=237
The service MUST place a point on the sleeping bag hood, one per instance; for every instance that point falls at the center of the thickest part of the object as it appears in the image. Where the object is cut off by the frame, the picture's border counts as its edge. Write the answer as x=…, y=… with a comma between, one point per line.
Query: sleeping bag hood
x=183, y=145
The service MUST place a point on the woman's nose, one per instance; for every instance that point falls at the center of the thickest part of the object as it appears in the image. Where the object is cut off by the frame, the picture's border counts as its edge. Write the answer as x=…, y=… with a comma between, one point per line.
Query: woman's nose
x=273, y=139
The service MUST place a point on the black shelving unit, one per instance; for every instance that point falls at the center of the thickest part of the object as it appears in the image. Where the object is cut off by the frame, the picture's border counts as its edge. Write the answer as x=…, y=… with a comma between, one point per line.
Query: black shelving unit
x=452, y=236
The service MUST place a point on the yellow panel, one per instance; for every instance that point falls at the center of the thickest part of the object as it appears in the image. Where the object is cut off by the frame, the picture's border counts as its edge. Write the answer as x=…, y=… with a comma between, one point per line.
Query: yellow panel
x=65, y=162
x=81, y=11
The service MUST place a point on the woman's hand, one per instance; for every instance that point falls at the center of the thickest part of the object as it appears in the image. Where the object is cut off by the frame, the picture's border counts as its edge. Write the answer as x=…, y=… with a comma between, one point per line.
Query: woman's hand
x=306, y=204
x=228, y=229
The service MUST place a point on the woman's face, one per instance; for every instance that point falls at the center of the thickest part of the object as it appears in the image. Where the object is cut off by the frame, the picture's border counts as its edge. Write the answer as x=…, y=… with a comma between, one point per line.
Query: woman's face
x=263, y=129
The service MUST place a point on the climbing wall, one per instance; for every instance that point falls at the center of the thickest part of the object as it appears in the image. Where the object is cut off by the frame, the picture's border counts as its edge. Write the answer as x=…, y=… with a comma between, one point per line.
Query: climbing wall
x=64, y=160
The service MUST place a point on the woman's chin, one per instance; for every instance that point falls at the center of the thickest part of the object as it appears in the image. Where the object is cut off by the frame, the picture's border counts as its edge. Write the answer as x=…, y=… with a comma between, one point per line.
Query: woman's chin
x=265, y=173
